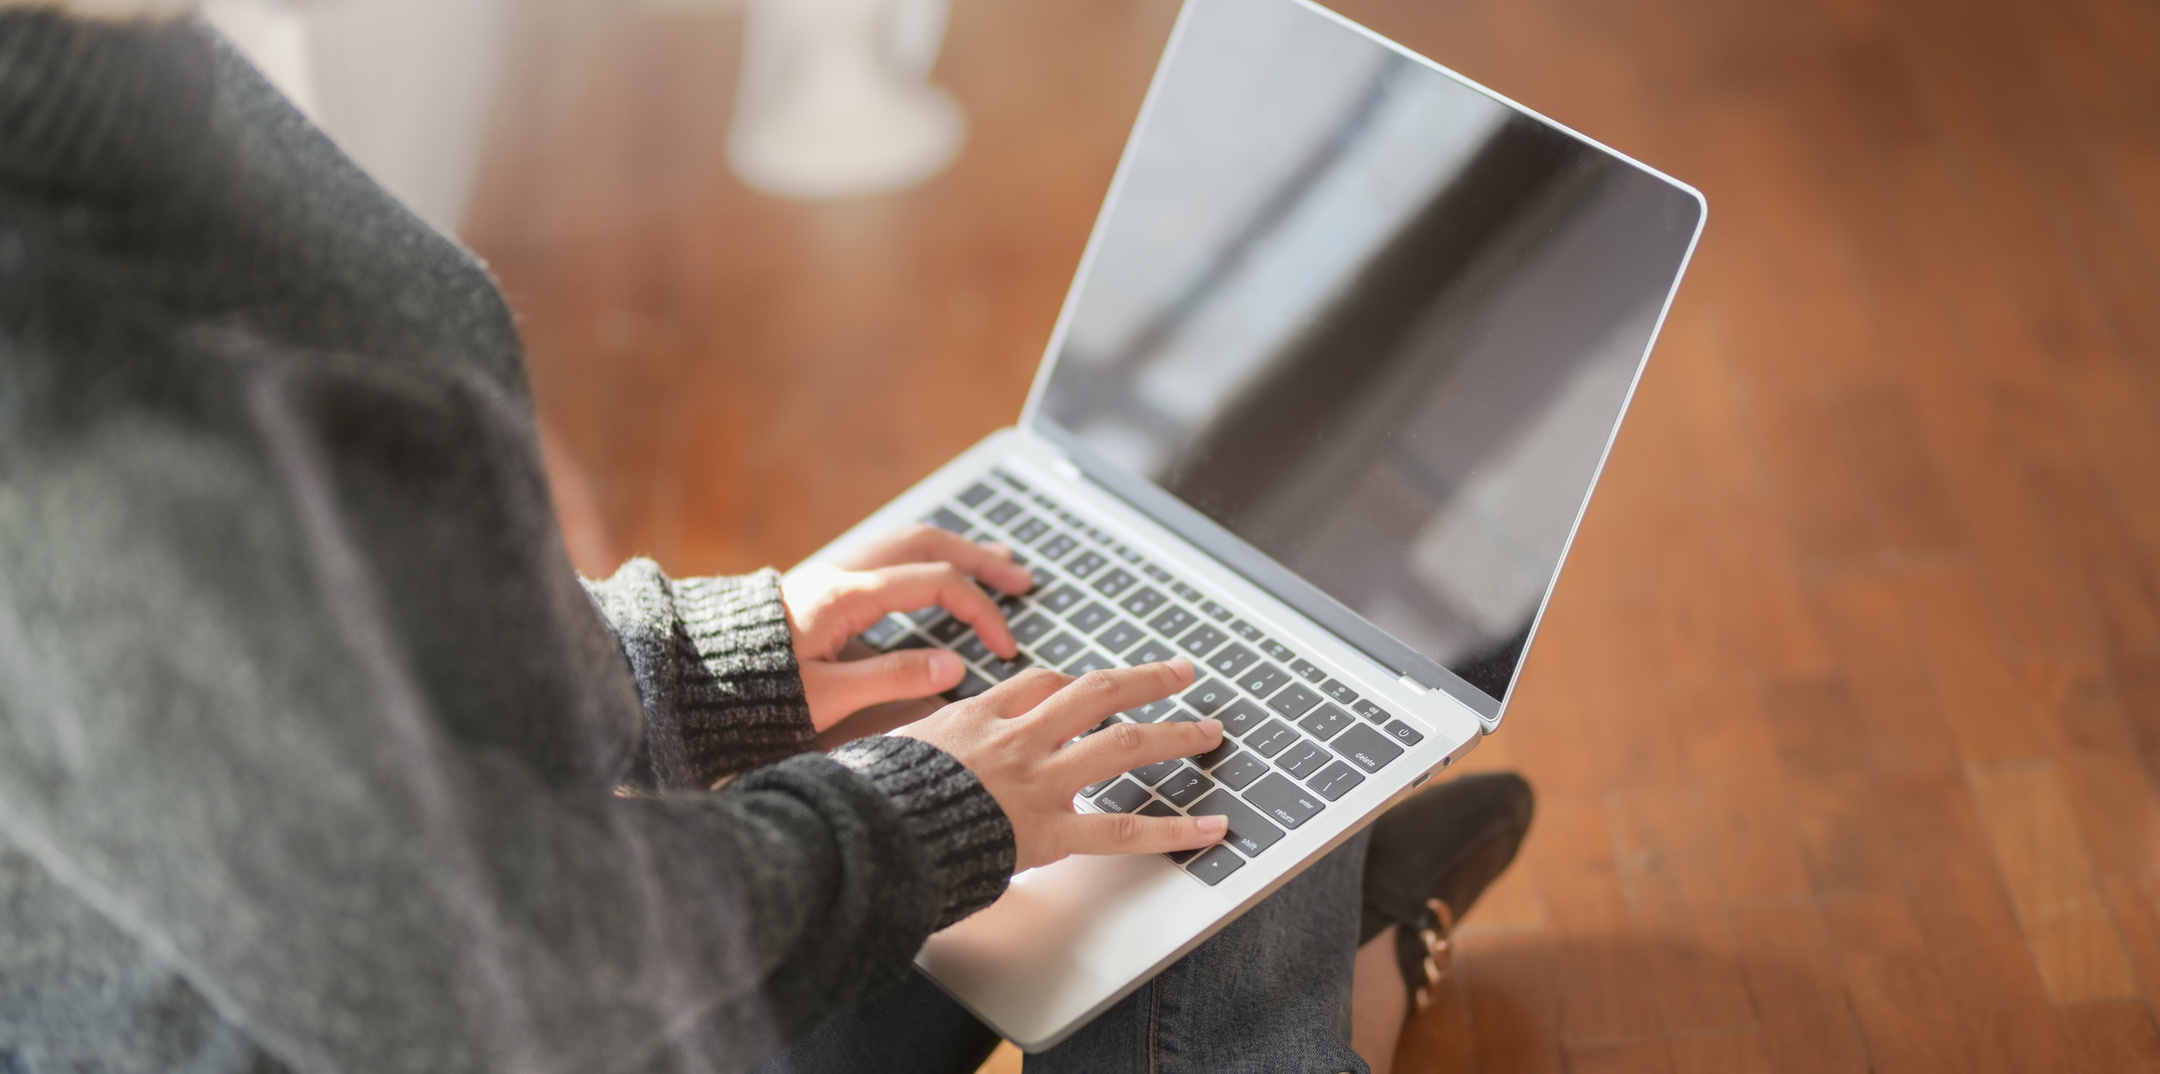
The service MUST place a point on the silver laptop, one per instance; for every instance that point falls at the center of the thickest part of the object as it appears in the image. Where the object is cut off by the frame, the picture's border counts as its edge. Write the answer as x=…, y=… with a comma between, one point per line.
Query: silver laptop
x=1326, y=401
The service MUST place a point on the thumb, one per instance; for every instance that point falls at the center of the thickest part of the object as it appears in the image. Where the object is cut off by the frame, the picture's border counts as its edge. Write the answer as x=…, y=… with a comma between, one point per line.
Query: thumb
x=839, y=688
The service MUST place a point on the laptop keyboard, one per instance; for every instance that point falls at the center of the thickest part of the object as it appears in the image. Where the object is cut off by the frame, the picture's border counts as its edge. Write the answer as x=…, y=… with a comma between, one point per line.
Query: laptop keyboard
x=1294, y=738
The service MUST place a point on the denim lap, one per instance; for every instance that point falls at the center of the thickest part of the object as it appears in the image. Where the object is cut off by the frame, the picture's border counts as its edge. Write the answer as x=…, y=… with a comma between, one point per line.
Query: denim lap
x=1269, y=994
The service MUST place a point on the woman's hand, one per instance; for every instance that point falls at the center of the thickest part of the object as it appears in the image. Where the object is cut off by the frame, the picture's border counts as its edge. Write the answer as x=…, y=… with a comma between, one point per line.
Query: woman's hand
x=828, y=604
x=1018, y=740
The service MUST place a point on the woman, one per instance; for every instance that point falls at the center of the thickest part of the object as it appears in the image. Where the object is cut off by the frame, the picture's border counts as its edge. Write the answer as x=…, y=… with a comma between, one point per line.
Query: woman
x=316, y=755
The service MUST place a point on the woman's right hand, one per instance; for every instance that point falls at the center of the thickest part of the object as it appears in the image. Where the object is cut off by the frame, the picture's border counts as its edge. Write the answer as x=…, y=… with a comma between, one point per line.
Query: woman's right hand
x=1018, y=736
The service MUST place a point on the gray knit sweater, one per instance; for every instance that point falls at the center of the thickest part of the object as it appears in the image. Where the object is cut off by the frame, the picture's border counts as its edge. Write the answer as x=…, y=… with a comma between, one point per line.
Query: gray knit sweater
x=314, y=753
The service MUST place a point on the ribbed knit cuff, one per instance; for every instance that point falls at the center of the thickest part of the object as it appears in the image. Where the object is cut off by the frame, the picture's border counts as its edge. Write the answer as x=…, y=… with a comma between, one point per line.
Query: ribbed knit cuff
x=960, y=827
x=716, y=670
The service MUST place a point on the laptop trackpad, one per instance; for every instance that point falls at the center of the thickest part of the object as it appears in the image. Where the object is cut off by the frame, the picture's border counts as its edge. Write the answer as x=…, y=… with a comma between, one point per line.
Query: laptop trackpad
x=1067, y=938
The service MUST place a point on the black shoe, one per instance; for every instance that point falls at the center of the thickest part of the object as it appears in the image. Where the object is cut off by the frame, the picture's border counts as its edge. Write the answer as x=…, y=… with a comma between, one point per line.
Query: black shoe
x=1430, y=858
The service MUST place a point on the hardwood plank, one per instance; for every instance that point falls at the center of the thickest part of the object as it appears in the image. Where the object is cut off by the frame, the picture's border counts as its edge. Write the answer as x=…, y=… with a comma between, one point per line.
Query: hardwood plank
x=1511, y=979
x=1959, y=894
x=2050, y=879
x=1600, y=955
x=1798, y=994
x=1668, y=870
x=2026, y=1039
x=1897, y=992
x=1629, y=1057
x=2113, y=1038
x=1719, y=1053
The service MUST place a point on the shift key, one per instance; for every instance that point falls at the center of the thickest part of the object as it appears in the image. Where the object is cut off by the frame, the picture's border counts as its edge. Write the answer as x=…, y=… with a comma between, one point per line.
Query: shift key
x=1250, y=833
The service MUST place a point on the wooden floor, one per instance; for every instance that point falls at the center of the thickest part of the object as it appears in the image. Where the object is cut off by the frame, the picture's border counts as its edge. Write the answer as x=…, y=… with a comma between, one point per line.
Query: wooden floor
x=1846, y=717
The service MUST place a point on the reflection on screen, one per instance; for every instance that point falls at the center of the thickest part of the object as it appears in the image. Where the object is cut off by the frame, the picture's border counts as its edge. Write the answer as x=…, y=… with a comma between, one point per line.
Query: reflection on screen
x=1371, y=321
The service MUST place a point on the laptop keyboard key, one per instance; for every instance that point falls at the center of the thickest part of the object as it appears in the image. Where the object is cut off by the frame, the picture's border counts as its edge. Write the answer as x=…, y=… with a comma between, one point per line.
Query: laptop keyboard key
x=1185, y=786
x=1303, y=759
x=1003, y=512
x=1249, y=832
x=1282, y=801
x=1232, y=660
x=1278, y=650
x=1033, y=627
x=1173, y=621
x=1404, y=733
x=1085, y=564
x=1271, y=738
x=883, y=632
x=976, y=494
x=1155, y=651
x=1119, y=638
x=1242, y=716
x=1062, y=599
x=926, y=616
x=1371, y=711
x=1307, y=670
x=1059, y=649
x=1202, y=641
x=1057, y=546
x=1156, y=808
x=1094, y=789
x=1090, y=618
x=1216, y=865
x=1029, y=529
x=971, y=684
x=1223, y=750
x=1114, y=582
x=1336, y=780
x=1246, y=630
x=1295, y=701
x=1209, y=696
x=1342, y=694
x=1150, y=713
x=1123, y=798
x=1002, y=670
x=1093, y=661
x=948, y=631
x=1325, y=722
x=1367, y=748
x=1142, y=603
x=973, y=650
x=1214, y=611
x=912, y=641
x=1240, y=770
x=1264, y=680
x=947, y=520
x=1185, y=592
x=1155, y=773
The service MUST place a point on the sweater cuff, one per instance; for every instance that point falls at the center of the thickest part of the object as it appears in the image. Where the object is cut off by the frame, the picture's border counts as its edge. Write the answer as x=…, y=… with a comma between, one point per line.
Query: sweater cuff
x=962, y=830
x=716, y=672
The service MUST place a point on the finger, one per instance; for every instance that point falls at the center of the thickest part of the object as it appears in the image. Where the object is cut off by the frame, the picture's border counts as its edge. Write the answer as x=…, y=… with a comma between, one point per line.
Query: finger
x=1122, y=747
x=867, y=596
x=838, y=688
x=1099, y=693
x=1021, y=693
x=1131, y=833
x=990, y=562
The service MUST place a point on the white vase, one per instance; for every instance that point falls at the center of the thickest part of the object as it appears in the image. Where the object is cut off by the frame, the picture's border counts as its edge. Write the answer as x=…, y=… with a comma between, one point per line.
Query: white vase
x=835, y=100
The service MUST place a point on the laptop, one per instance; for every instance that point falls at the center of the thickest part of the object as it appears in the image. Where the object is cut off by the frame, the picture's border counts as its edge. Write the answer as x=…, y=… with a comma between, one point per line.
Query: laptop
x=1325, y=404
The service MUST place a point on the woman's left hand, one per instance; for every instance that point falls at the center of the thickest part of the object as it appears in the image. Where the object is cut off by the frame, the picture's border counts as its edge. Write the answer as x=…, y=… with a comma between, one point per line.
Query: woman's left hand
x=830, y=603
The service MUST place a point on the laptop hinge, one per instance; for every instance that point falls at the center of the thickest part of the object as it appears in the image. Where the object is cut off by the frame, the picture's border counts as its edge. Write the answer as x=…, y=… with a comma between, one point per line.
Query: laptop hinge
x=1416, y=685
x=1067, y=469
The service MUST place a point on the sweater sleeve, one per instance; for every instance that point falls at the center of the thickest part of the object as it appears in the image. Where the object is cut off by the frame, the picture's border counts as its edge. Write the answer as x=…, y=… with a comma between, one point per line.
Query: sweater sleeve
x=715, y=670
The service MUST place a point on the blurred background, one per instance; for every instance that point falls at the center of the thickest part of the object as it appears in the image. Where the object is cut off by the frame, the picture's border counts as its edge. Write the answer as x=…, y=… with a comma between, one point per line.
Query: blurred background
x=1845, y=716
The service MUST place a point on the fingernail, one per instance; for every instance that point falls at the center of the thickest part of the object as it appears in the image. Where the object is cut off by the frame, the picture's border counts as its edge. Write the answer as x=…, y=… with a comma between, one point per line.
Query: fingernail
x=945, y=666
x=1212, y=825
x=999, y=547
x=1213, y=723
x=1183, y=666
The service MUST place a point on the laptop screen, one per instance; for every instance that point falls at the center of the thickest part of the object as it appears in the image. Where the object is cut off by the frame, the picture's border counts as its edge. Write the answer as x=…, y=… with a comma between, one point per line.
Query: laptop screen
x=1364, y=331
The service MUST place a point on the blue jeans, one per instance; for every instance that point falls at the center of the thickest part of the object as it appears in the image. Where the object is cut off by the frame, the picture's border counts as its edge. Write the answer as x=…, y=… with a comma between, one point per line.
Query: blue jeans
x=1269, y=993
